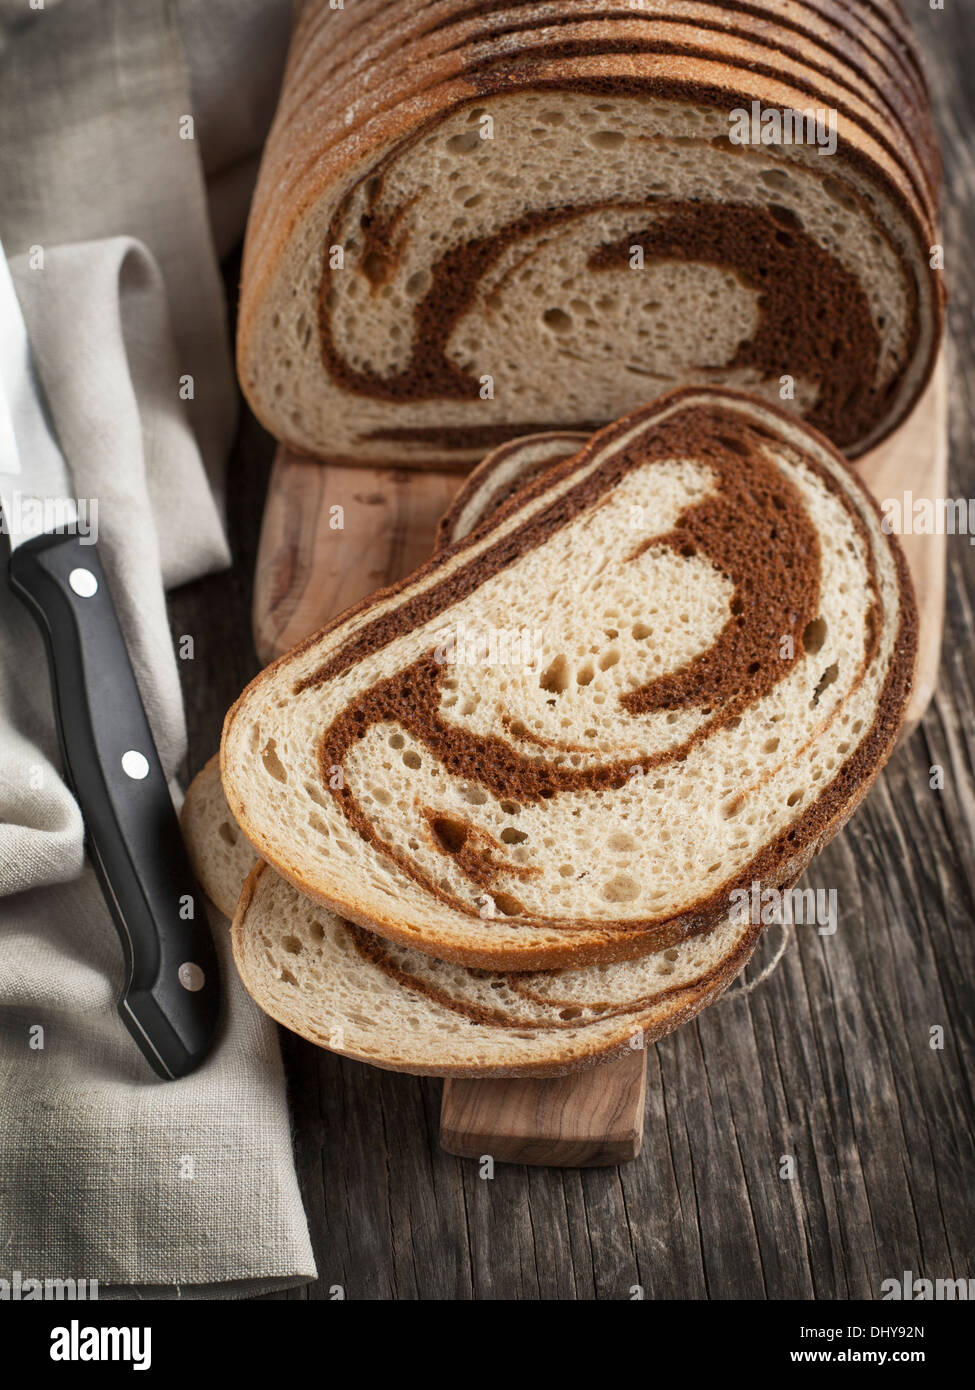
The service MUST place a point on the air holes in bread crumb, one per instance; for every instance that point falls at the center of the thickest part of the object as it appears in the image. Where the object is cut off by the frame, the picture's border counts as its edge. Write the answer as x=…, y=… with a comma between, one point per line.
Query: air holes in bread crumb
x=412, y=759
x=510, y=836
x=293, y=945
x=465, y=143
x=554, y=678
x=621, y=842
x=795, y=798
x=826, y=679
x=838, y=192
x=507, y=905
x=418, y=284
x=557, y=320
x=227, y=833
x=272, y=763
x=396, y=740
x=451, y=835
x=621, y=889
x=474, y=796
x=814, y=636
x=640, y=631
x=605, y=139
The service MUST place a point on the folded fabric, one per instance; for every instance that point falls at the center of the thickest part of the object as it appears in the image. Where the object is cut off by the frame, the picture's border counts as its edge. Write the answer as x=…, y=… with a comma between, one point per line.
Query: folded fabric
x=106, y=1172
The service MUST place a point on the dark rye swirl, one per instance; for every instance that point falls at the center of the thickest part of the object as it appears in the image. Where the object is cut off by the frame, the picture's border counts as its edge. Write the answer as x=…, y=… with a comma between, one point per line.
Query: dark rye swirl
x=723, y=643
x=487, y=287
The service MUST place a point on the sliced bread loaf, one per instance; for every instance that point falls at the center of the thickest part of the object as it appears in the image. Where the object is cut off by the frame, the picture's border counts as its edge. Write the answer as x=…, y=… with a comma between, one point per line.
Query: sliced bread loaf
x=720, y=646
x=477, y=221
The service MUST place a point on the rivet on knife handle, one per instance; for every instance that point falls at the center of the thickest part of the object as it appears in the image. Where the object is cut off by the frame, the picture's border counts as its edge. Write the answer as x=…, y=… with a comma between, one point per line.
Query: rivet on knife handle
x=171, y=998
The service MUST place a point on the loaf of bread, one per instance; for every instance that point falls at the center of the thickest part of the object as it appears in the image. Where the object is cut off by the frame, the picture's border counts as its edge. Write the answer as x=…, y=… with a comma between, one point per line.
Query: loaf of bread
x=666, y=670
x=479, y=220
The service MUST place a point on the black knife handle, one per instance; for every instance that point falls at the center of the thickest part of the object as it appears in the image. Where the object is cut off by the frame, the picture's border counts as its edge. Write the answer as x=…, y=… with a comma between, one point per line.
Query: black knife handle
x=171, y=998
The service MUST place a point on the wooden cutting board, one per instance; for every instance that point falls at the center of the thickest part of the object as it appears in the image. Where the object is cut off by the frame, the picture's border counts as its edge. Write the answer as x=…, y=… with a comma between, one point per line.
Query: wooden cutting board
x=332, y=535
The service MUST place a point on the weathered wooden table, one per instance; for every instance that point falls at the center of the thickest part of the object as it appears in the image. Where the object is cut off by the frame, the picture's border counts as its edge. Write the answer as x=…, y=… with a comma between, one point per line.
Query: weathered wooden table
x=830, y=1063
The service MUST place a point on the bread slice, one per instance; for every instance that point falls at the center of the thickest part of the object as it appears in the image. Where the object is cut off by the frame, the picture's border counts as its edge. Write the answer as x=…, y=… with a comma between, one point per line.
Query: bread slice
x=413, y=293
x=347, y=990
x=723, y=647
x=683, y=27
x=221, y=855
x=499, y=477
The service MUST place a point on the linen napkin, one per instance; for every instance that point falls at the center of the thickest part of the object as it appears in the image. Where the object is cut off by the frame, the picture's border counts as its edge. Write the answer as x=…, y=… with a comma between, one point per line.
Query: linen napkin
x=180, y=1188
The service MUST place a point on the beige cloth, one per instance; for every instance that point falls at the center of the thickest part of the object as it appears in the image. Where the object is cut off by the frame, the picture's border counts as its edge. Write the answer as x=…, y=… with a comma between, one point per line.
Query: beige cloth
x=107, y=1173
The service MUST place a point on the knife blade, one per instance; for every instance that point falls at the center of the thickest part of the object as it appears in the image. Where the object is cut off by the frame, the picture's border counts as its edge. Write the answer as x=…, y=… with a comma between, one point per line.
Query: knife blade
x=170, y=1000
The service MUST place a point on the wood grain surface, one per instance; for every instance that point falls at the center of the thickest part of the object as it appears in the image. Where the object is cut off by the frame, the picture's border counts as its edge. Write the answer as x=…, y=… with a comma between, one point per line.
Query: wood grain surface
x=309, y=567
x=829, y=1065
x=591, y=1119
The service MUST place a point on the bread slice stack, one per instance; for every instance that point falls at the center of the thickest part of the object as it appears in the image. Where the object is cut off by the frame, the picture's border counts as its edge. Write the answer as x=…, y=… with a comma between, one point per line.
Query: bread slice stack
x=348, y=990
x=488, y=861
x=313, y=971
x=478, y=220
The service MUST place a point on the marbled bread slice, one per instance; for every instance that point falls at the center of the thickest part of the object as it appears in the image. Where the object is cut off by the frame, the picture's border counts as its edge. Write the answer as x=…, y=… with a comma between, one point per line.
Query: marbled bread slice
x=343, y=988
x=722, y=643
x=220, y=854
x=353, y=993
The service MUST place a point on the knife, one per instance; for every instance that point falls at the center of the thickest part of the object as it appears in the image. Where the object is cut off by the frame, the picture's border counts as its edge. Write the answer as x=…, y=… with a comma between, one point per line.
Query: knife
x=171, y=996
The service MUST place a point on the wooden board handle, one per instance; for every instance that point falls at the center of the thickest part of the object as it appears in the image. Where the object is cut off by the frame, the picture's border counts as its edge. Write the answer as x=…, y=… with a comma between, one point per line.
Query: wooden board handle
x=591, y=1119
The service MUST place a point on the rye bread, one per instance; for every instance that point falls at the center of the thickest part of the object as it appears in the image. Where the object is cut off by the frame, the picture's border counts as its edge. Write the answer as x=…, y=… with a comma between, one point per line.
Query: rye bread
x=344, y=365
x=683, y=732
